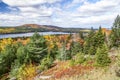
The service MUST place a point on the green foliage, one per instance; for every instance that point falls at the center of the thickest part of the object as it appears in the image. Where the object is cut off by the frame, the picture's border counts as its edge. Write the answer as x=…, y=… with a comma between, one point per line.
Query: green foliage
x=53, y=52
x=81, y=35
x=14, y=69
x=115, y=35
x=37, y=48
x=89, y=41
x=72, y=62
x=92, y=50
x=46, y=63
x=23, y=55
x=93, y=41
x=102, y=58
x=99, y=38
x=63, y=54
x=79, y=58
x=23, y=72
x=75, y=48
x=7, y=57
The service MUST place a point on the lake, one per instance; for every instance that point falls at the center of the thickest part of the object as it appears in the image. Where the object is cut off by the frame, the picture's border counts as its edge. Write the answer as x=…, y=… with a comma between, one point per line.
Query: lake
x=28, y=34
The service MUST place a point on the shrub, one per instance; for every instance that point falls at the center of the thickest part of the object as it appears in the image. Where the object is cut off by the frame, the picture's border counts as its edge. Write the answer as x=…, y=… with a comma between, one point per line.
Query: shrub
x=79, y=58
x=14, y=69
x=117, y=70
x=23, y=72
x=27, y=72
x=46, y=63
x=72, y=62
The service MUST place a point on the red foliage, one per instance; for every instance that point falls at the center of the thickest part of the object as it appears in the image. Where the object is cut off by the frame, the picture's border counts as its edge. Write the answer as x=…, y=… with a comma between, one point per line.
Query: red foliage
x=73, y=71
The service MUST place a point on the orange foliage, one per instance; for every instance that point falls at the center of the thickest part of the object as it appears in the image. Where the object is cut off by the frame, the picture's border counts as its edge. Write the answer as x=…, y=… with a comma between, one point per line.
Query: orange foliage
x=24, y=42
x=59, y=40
x=106, y=31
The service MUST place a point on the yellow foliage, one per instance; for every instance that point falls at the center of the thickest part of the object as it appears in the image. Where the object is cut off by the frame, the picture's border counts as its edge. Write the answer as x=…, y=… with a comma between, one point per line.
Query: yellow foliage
x=50, y=41
x=5, y=42
x=27, y=72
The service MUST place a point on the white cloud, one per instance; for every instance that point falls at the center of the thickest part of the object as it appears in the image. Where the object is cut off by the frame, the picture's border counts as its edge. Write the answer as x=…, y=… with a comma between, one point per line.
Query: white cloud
x=27, y=9
x=28, y=2
x=40, y=11
x=100, y=7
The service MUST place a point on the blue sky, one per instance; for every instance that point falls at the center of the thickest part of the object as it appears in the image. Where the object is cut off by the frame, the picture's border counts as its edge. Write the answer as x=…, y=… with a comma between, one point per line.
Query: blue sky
x=62, y=13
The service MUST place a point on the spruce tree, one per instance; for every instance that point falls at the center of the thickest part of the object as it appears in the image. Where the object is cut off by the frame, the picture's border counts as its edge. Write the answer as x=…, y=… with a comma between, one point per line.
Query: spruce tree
x=99, y=38
x=102, y=58
x=37, y=48
x=89, y=41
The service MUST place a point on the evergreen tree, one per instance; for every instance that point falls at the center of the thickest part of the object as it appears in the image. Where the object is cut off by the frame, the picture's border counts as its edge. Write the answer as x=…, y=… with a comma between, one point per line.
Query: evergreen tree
x=102, y=58
x=99, y=38
x=115, y=35
x=37, y=48
x=89, y=41
x=75, y=48
x=93, y=41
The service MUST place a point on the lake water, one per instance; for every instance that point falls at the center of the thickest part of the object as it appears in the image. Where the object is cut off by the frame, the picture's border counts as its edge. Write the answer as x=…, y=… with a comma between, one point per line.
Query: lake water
x=28, y=34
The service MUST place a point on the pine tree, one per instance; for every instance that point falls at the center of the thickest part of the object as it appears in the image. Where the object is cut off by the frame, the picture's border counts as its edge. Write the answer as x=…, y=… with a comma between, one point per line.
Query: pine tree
x=37, y=48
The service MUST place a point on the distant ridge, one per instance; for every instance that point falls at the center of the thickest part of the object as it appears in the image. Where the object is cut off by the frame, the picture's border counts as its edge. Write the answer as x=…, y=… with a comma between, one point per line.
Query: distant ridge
x=39, y=28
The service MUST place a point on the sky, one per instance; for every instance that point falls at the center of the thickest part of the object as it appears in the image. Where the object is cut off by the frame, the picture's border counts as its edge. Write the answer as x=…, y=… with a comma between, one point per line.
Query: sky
x=62, y=13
